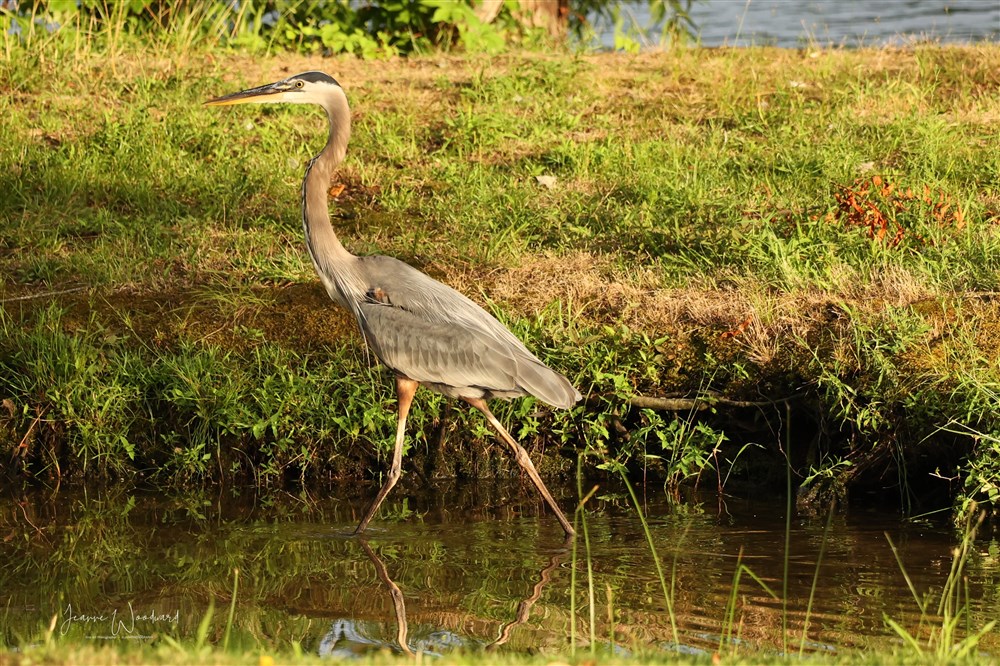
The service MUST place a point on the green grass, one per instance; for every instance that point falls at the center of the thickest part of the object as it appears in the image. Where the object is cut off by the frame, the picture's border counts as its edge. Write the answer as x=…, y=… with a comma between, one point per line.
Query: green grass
x=698, y=239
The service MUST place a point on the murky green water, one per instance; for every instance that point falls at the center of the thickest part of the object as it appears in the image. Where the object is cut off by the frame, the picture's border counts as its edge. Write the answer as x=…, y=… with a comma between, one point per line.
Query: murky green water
x=465, y=567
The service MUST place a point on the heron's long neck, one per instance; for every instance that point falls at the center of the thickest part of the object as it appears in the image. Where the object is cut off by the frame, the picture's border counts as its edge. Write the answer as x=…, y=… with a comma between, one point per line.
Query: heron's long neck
x=332, y=260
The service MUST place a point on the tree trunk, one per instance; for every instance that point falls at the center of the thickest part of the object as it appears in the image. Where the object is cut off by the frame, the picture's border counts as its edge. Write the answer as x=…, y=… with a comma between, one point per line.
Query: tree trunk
x=550, y=15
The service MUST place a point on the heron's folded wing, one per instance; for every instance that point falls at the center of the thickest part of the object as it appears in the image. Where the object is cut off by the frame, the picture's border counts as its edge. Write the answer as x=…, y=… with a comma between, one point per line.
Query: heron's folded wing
x=437, y=352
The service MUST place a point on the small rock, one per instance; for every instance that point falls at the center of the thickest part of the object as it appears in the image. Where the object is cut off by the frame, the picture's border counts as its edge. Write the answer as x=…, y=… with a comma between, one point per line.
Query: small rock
x=547, y=182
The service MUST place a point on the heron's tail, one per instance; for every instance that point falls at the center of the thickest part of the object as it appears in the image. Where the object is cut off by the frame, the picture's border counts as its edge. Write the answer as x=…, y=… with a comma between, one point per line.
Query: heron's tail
x=546, y=384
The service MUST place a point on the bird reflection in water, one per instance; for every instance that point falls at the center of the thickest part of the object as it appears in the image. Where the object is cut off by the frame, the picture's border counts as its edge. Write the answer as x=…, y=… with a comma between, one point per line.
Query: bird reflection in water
x=354, y=638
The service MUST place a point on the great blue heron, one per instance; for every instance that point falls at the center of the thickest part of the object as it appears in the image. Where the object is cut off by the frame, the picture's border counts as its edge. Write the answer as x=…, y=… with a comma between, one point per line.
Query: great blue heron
x=424, y=331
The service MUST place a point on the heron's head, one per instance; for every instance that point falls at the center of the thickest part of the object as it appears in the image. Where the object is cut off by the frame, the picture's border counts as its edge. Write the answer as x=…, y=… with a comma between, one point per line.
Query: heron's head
x=305, y=88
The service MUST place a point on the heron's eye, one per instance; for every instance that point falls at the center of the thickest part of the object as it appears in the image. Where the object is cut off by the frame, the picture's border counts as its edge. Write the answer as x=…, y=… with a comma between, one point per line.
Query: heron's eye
x=299, y=84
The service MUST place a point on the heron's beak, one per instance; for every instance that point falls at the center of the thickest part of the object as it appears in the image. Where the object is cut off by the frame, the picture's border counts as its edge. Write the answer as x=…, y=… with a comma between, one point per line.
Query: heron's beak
x=272, y=92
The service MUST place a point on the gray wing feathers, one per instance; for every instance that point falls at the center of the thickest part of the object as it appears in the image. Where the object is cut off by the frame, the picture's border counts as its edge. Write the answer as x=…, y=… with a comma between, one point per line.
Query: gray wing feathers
x=433, y=334
x=545, y=384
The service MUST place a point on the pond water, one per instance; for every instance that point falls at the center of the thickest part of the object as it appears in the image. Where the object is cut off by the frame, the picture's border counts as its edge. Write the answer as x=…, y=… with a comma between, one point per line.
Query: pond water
x=471, y=567
x=851, y=23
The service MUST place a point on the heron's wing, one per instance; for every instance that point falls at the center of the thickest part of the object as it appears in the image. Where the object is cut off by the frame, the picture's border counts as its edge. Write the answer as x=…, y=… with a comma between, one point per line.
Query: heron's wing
x=432, y=333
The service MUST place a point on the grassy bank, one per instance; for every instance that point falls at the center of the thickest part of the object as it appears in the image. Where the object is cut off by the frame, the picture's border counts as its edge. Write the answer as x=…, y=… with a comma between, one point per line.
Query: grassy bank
x=809, y=242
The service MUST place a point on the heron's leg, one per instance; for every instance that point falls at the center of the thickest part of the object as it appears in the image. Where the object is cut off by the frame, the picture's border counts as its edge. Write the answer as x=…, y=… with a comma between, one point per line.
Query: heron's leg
x=521, y=456
x=405, y=388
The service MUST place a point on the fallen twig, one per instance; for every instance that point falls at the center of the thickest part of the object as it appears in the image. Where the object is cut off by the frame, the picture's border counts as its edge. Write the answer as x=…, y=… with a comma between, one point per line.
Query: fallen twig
x=42, y=295
x=699, y=403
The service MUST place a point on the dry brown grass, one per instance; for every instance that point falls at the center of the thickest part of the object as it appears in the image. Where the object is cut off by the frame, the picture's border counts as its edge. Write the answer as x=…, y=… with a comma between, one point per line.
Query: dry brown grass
x=749, y=318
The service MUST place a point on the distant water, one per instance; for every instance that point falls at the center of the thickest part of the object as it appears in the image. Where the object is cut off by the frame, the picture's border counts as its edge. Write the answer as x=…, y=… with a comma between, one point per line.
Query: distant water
x=848, y=23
